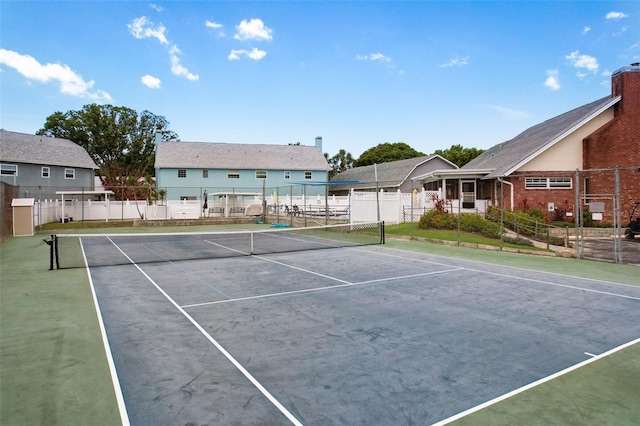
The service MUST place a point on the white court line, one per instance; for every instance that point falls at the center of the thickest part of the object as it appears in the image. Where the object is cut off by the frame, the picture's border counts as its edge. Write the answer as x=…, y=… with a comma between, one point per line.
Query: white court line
x=177, y=266
x=444, y=271
x=491, y=264
x=316, y=289
x=264, y=296
x=534, y=384
x=303, y=270
x=523, y=278
x=213, y=341
x=124, y=416
x=608, y=293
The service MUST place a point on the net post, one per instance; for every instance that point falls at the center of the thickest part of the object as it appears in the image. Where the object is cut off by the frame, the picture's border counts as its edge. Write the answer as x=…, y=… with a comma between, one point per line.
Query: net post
x=50, y=244
x=54, y=251
x=382, y=232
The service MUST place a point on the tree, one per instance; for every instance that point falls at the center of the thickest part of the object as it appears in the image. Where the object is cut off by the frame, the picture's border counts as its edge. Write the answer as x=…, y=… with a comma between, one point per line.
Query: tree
x=118, y=139
x=459, y=155
x=340, y=162
x=386, y=152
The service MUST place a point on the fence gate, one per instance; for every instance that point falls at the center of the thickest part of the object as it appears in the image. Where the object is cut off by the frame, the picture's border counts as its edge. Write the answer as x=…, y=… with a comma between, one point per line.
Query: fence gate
x=603, y=205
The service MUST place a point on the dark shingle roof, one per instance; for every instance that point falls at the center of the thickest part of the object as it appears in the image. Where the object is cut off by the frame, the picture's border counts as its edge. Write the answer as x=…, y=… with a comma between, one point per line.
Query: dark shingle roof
x=504, y=158
x=33, y=149
x=239, y=156
x=392, y=174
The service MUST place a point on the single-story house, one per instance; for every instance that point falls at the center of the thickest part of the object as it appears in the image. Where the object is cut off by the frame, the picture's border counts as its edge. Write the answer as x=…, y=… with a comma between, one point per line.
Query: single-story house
x=548, y=164
x=185, y=170
x=391, y=176
x=42, y=166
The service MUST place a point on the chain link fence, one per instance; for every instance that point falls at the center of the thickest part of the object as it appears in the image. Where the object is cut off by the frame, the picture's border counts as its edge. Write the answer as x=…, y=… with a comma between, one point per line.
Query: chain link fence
x=596, y=213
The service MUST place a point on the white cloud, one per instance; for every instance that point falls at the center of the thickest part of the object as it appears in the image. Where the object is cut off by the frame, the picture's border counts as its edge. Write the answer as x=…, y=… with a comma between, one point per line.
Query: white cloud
x=70, y=82
x=177, y=68
x=552, y=81
x=509, y=114
x=255, y=54
x=156, y=7
x=211, y=24
x=142, y=28
x=253, y=30
x=150, y=81
x=586, y=30
x=215, y=26
x=583, y=61
x=374, y=57
x=616, y=15
x=457, y=62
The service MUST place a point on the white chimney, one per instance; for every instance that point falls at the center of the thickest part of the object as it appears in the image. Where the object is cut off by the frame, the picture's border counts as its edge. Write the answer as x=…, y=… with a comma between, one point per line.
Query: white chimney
x=319, y=143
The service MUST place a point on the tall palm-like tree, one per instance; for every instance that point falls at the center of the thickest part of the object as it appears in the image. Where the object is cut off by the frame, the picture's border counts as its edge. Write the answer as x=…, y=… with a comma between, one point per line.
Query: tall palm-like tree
x=340, y=162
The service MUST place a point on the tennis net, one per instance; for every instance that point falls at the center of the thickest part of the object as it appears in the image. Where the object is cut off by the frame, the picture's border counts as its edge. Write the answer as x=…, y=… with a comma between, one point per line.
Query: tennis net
x=81, y=250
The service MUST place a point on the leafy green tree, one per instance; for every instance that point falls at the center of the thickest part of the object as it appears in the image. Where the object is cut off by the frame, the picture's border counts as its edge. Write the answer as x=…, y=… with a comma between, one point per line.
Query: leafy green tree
x=340, y=162
x=386, y=152
x=459, y=155
x=119, y=140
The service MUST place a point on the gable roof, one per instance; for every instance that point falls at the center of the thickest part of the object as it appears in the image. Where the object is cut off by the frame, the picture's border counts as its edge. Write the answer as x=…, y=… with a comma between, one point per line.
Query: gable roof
x=34, y=149
x=392, y=174
x=505, y=158
x=210, y=155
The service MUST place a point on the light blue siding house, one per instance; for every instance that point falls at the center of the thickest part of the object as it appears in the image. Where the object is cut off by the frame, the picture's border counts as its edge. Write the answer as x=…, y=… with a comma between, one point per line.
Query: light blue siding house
x=186, y=169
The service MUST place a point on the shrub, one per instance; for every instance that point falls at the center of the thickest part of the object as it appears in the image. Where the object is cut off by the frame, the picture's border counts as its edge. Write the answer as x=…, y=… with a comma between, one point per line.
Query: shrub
x=471, y=222
x=537, y=213
x=437, y=219
x=587, y=218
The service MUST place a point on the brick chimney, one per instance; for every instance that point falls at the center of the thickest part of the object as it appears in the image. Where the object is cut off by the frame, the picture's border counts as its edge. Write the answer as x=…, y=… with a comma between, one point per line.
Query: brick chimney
x=625, y=82
x=617, y=143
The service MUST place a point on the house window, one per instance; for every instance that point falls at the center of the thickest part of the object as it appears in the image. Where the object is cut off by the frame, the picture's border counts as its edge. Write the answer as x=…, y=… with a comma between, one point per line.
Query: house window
x=287, y=175
x=182, y=173
x=233, y=175
x=69, y=173
x=587, y=188
x=261, y=174
x=205, y=173
x=308, y=175
x=46, y=173
x=548, y=183
x=432, y=186
x=8, y=170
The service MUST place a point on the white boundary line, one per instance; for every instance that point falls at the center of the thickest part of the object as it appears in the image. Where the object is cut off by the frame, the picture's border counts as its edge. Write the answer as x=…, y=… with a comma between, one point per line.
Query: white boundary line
x=213, y=341
x=491, y=264
x=519, y=269
x=124, y=416
x=317, y=289
x=534, y=384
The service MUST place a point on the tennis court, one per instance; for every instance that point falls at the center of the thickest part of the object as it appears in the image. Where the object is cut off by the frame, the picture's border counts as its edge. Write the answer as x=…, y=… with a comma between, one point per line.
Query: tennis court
x=348, y=335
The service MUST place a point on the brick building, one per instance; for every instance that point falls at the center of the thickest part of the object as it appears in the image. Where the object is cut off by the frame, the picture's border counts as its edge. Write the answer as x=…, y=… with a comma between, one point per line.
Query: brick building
x=584, y=156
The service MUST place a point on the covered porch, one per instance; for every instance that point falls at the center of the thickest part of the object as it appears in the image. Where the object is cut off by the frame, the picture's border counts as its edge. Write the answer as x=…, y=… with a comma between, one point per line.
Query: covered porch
x=464, y=191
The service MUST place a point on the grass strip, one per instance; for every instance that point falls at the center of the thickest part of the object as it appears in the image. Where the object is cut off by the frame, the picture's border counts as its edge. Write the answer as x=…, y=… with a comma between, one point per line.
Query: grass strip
x=53, y=367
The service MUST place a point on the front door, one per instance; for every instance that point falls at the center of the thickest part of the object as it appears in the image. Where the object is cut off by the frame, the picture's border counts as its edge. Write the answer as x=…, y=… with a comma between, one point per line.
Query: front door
x=468, y=194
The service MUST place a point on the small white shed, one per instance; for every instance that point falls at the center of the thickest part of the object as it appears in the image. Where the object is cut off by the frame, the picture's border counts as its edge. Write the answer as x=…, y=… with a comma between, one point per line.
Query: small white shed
x=23, y=217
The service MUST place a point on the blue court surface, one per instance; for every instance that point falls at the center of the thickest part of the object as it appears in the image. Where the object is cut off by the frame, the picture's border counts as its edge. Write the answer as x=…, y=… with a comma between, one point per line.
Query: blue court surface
x=360, y=335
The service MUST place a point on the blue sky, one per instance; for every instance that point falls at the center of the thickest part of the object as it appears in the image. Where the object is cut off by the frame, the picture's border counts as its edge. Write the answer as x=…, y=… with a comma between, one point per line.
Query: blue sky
x=430, y=74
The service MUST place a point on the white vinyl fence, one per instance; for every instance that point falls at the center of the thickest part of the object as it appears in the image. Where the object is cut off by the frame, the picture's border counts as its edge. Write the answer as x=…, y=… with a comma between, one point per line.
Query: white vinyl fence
x=392, y=207
x=75, y=210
